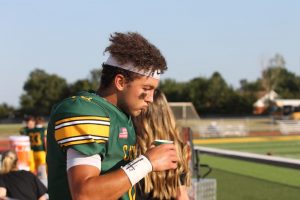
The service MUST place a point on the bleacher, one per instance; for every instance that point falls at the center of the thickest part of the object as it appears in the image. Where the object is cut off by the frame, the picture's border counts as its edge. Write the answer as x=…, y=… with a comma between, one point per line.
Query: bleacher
x=289, y=126
x=215, y=129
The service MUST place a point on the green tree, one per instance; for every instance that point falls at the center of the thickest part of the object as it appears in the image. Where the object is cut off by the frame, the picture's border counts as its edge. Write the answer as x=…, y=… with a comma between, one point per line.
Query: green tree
x=91, y=83
x=288, y=84
x=209, y=96
x=250, y=87
x=94, y=78
x=239, y=104
x=197, y=88
x=215, y=96
x=6, y=111
x=248, y=94
x=42, y=91
x=80, y=85
x=174, y=91
x=276, y=77
x=216, y=93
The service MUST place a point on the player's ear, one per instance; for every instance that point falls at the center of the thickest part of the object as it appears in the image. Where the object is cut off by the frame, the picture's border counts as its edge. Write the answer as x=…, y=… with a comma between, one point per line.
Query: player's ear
x=120, y=82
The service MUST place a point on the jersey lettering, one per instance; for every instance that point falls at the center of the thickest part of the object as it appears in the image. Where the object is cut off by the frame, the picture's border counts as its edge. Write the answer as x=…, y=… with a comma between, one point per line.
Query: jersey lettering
x=128, y=152
x=35, y=139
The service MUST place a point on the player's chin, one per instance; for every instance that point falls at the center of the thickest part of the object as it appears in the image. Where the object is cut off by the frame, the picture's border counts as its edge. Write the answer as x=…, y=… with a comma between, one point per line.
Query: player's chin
x=136, y=113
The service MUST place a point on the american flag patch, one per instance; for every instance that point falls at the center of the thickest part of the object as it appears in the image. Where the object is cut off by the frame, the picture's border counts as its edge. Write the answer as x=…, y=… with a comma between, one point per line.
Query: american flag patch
x=123, y=133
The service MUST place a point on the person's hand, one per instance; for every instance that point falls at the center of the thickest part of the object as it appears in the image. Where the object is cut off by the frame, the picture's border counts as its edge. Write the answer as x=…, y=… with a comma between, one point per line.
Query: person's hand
x=162, y=157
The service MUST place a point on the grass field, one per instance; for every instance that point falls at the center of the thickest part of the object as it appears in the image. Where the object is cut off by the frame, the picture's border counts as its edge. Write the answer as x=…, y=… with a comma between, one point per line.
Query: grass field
x=9, y=129
x=243, y=180
x=237, y=179
x=284, y=146
x=290, y=149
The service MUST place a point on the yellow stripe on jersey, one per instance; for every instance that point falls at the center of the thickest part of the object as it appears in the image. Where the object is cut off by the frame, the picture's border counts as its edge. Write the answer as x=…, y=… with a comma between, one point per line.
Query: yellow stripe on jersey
x=82, y=129
x=82, y=118
x=82, y=142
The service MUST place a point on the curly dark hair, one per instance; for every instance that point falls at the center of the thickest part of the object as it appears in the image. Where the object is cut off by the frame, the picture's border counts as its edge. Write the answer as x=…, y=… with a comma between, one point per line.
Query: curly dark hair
x=132, y=48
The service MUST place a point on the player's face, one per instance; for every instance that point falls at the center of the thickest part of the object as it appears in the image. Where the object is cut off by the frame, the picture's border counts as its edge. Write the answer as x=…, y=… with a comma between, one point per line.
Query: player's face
x=31, y=124
x=138, y=94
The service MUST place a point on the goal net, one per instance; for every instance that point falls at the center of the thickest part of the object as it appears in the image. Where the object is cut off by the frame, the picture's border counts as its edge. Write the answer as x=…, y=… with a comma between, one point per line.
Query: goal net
x=184, y=110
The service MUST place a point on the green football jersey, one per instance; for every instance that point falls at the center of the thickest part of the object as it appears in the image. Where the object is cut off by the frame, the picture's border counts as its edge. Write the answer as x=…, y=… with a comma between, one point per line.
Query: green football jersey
x=24, y=131
x=90, y=125
x=37, y=137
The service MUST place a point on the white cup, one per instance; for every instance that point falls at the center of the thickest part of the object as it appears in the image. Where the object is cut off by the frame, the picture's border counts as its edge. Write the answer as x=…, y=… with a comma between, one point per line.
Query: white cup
x=159, y=142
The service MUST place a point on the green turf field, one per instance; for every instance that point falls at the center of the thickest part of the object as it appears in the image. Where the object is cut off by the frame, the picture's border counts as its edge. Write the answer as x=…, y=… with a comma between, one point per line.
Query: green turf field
x=290, y=149
x=243, y=180
x=237, y=179
x=9, y=129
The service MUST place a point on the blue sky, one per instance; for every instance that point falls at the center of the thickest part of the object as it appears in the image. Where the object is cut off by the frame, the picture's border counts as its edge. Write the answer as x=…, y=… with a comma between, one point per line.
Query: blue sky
x=197, y=37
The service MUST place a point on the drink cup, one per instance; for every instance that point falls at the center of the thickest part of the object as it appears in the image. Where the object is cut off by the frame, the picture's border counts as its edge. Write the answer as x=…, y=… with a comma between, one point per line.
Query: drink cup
x=159, y=142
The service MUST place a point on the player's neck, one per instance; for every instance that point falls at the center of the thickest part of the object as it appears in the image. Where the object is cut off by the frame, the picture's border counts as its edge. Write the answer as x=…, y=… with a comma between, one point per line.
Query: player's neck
x=109, y=95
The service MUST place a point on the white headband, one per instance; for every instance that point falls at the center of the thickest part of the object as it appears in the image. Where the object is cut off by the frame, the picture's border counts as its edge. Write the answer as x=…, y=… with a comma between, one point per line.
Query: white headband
x=130, y=67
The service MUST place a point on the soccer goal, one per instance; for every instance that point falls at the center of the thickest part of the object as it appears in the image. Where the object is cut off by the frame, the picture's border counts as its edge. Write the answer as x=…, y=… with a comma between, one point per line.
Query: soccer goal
x=184, y=110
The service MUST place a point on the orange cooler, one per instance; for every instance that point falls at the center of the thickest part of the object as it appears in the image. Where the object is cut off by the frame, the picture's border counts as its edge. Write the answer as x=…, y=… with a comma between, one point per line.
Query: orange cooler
x=21, y=144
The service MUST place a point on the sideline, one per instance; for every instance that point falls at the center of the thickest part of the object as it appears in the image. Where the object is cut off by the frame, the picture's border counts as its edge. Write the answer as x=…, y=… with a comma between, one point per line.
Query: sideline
x=246, y=139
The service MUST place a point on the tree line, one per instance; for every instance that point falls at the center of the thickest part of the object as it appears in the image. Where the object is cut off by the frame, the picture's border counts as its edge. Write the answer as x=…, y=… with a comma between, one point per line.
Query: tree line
x=42, y=90
x=210, y=95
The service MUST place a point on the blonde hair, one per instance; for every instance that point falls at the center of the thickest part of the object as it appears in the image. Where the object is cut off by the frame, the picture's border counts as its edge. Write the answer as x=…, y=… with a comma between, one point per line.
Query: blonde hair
x=158, y=122
x=8, y=162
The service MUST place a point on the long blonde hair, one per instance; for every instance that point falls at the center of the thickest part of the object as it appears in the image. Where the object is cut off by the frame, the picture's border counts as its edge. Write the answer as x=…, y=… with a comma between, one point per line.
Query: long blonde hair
x=158, y=122
x=8, y=162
